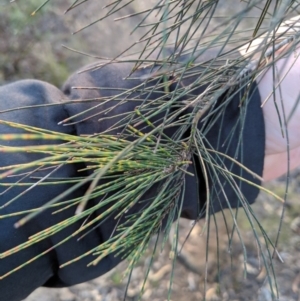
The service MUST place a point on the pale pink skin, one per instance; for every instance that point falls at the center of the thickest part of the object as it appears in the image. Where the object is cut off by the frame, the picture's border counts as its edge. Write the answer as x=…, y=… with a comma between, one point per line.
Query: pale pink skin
x=287, y=71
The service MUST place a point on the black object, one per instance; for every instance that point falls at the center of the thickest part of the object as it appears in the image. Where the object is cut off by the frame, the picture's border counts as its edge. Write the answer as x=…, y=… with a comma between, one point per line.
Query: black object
x=246, y=144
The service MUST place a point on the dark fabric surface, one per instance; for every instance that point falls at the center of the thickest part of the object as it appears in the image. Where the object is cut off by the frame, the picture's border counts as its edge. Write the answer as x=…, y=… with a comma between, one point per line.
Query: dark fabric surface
x=240, y=138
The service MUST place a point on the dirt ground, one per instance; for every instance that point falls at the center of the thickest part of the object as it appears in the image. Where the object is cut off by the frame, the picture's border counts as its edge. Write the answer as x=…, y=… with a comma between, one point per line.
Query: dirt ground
x=31, y=47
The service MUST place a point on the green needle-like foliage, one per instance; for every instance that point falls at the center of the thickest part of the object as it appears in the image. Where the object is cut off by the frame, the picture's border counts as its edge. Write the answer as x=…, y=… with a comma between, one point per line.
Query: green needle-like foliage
x=130, y=163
